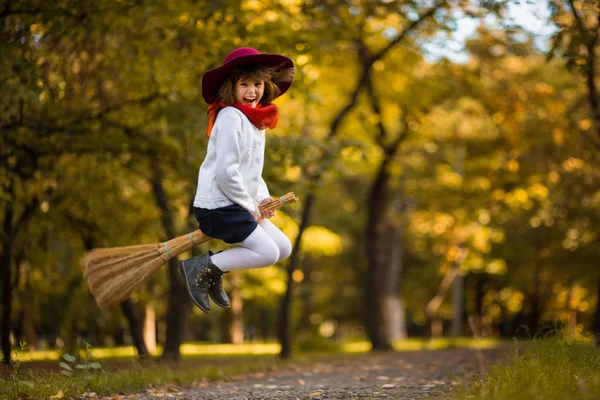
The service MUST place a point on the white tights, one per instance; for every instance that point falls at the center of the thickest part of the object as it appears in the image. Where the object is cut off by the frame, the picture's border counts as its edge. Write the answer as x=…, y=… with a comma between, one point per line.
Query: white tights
x=265, y=246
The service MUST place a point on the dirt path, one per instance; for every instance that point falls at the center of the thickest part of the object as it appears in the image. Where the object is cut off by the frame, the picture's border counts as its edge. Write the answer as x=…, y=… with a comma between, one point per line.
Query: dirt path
x=401, y=375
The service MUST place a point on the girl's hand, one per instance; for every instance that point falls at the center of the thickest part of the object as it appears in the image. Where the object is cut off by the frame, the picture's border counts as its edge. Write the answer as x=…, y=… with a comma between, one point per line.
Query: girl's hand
x=266, y=214
x=257, y=216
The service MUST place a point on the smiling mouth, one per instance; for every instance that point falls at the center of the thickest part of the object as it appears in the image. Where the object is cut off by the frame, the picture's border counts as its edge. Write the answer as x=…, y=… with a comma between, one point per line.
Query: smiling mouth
x=249, y=100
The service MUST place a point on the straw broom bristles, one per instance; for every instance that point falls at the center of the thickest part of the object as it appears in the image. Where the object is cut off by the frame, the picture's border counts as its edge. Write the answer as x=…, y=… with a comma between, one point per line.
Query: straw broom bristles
x=114, y=273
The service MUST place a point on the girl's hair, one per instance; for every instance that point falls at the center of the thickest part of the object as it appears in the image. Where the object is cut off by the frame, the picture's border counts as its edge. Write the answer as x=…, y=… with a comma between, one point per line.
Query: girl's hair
x=253, y=72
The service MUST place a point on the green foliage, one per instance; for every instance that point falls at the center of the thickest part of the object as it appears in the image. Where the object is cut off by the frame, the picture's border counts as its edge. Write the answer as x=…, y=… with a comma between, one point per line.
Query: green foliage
x=545, y=369
x=74, y=375
x=81, y=369
x=18, y=383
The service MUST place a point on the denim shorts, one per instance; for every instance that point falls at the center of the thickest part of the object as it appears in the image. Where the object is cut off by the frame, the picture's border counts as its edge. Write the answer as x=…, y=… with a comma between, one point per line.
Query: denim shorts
x=231, y=224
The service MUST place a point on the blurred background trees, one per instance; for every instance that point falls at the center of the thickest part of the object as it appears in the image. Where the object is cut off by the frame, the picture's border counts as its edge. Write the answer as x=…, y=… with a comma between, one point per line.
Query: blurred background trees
x=438, y=197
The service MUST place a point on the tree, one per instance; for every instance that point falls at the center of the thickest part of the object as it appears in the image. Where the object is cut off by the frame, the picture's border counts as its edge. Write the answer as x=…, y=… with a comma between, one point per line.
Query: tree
x=576, y=40
x=365, y=62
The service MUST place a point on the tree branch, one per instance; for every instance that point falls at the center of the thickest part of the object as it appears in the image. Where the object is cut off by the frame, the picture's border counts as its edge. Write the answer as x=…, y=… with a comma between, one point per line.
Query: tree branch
x=380, y=138
x=436, y=301
x=366, y=64
x=407, y=30
x=578, y=19
x=389, y=149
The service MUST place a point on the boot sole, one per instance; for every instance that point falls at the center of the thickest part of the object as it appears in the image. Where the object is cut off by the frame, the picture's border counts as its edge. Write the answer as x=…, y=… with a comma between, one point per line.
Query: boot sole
x=187, y=287
x=217, y=303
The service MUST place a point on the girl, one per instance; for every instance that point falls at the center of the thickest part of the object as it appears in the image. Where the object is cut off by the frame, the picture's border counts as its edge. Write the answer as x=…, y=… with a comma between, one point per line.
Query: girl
x=230, y=185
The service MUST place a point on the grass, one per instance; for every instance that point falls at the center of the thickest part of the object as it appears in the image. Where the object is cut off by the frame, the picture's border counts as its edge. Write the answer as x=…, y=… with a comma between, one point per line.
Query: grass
x=72, y=376
x=549, y=369
x=270, y=348
x=126, y=379
x=187, y=350
x=106, y=371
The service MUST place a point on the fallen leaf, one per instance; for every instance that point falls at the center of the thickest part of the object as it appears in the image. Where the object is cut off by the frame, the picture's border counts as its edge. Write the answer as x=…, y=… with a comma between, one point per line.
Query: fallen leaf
x=301, y=382
x=58, y=395
x=388, y=386
x=316, y=394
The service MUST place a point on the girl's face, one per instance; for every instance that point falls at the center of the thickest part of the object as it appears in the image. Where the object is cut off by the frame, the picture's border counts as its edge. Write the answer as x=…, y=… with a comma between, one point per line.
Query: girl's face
x=249, y=92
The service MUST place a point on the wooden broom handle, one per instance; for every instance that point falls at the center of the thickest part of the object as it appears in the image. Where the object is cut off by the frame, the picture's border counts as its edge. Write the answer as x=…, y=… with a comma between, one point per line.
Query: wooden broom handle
x=180, y=244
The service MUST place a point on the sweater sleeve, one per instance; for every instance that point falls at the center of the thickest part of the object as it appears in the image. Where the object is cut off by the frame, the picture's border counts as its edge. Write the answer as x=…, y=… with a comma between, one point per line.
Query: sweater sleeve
x=228, y=176
x=263, y=191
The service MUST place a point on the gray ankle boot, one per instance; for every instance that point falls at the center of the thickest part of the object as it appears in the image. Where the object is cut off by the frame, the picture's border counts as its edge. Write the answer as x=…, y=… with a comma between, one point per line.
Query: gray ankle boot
x=203, y=279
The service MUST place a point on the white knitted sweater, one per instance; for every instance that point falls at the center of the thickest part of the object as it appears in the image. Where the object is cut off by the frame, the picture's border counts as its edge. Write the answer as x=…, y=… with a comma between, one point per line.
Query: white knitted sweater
x=232, y=170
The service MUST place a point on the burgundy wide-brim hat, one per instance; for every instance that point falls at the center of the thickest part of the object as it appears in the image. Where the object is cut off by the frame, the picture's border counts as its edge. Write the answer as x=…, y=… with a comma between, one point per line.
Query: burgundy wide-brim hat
x=212, y=79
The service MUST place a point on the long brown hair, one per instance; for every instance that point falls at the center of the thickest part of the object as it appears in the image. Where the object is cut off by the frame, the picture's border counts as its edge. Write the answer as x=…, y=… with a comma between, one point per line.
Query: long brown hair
x=254, y=72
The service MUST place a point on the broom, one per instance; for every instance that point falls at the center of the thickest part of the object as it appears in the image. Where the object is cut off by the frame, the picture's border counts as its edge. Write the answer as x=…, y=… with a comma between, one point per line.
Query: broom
x=114, y=273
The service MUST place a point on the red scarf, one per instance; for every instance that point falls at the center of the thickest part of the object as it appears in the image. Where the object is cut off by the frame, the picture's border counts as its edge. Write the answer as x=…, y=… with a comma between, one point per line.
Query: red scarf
x=261, y=116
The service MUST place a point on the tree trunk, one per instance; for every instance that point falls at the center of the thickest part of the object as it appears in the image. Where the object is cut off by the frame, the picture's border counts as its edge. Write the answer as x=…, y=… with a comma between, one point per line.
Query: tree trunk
x=150, y=328
x=177, y=310
x=178, y=302
x=264, y=324
x=377, y=284
x=596, y=327
x=136, y=326
x=458, y=286
x=28, y=310
x=6, y=302
x=286, y=302
x=535, y=302
x=383, y=239
x=6, y=276
x=393, y=307
x=571, y=327
x=478, y=311
x=458, y=300
x=128, y=308
x=305, y=326
x=236, y=318
x=436, y=327
x=396, y=317
x=94, y=332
